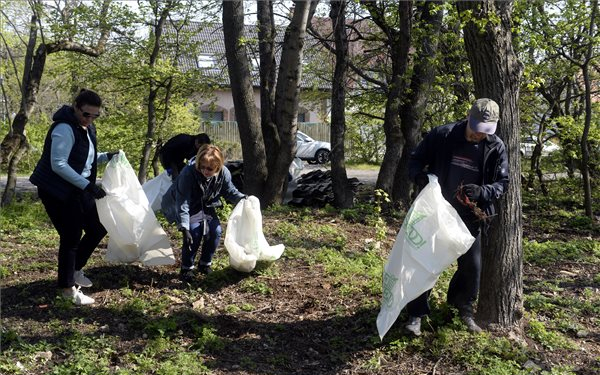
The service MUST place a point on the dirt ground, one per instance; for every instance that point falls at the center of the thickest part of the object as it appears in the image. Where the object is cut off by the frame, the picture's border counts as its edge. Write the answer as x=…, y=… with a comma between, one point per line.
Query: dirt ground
x=304, y=325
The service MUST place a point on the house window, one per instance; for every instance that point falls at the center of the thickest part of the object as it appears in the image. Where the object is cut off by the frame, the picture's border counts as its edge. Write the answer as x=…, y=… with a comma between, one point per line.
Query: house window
x=213, y=116
x=302, y=117
x=205, y=61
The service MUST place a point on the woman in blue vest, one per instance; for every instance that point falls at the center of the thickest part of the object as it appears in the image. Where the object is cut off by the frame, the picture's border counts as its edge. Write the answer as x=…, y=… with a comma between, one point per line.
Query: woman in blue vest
x=66, y=180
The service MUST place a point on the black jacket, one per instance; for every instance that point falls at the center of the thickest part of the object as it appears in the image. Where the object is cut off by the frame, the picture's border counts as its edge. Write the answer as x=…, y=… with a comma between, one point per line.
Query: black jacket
x=177, y=149
x=44, y=177
x=433, y=155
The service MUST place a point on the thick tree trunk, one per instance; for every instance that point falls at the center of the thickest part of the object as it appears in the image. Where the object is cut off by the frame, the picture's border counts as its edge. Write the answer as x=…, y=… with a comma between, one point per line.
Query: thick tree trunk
x=268, y=77
x=496, y=74
x=253, y=150
x=286, y=99
x=415, y=101
x=342, y=194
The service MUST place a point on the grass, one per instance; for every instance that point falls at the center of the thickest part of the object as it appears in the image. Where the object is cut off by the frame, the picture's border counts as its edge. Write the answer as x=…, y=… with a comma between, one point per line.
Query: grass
x=315, y=305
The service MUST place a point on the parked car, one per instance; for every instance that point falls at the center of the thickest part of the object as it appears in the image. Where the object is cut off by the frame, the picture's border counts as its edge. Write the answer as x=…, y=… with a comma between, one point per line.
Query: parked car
x=310, y=150
x=528, y=144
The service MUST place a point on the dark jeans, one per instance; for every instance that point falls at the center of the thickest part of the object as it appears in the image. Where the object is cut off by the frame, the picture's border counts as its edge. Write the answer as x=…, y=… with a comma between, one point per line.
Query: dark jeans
x=463, y=288
x=71, y=218
x=209, y=244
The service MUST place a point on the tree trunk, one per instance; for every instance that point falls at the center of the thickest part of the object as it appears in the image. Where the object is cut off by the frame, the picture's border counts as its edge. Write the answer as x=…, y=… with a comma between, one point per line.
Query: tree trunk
x=286, y=99
x=253, y=149
x=268, y=73
x=585, y=152
x=399, y=47
x=415, y=99
x=342, y=194
x=496, y=75
x=153, y=89
x=15, y=144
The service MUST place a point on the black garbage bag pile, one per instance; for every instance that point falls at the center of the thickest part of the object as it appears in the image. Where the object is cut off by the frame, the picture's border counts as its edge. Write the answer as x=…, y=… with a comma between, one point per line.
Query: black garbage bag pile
x=312, y=189
x=315, y=189
x=236, y=167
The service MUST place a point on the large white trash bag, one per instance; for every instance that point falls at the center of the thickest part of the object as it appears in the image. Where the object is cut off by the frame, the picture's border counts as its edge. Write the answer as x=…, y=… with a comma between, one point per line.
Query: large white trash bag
x=156, y=188
x=244, y=239
x=134, y=233
x=431, y=238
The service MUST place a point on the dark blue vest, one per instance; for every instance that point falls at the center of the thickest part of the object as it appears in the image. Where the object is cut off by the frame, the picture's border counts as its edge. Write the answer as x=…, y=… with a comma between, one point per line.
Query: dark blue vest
x=45, y=178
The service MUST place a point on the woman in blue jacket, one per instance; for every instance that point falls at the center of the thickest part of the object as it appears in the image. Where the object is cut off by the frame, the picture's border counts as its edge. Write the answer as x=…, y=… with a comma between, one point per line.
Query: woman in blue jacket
x=191, y=203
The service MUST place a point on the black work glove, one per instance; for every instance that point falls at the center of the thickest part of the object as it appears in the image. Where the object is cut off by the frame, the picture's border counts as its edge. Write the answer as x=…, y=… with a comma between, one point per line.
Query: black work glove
x=96, y=191
x=472, y=191
x=110, y=155
x=421, y=180
x=187, y=237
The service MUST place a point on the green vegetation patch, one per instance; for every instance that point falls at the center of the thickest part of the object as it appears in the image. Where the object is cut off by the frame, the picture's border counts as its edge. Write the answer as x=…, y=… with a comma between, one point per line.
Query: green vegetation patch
x=550, y=252
x=352, y=272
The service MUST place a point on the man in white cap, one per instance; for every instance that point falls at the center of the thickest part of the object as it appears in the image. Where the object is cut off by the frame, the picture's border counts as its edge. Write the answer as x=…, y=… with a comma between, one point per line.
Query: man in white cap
x=468, y=159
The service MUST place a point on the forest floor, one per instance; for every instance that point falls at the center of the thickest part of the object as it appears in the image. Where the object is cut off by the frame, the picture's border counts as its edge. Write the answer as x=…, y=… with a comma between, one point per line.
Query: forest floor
x=311, y=312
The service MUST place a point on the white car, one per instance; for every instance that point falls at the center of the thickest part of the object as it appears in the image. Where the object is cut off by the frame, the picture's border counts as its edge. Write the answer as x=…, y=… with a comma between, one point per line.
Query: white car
x=310, y=150
x=528, y=144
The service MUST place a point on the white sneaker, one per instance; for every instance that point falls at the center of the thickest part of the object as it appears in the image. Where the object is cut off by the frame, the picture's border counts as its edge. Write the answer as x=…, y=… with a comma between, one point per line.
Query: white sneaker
x=81, y=279
x=77, y=296
x=414, y=325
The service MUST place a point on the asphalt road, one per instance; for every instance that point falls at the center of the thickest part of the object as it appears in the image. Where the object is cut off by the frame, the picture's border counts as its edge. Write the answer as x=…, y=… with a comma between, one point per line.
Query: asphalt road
x=368, y=177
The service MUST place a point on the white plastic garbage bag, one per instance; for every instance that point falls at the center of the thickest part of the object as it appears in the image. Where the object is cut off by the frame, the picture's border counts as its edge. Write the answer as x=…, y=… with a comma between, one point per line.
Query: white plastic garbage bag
x=244, y=239
x=156, y=188
x=134, y=233
x=432, y=236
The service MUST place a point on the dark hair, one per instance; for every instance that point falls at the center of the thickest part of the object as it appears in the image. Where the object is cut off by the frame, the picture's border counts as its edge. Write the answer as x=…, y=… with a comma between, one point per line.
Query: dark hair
x=88, y=97
x=203, y=139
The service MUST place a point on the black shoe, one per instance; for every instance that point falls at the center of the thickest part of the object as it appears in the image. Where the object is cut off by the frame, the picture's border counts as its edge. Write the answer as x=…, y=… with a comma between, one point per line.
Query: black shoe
x=205, y=270
x=187, y=275
x=470, y=323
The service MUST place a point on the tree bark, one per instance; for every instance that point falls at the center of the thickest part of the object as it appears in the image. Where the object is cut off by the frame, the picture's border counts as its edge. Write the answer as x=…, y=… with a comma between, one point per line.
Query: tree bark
x=14, y=145
x=268, y=78
x=398, y=42
x=415, y=99
x=286, y=100
x=496, y=75
x=153, y=88
x=585, y=152
x=342, y=194
x=253, y=149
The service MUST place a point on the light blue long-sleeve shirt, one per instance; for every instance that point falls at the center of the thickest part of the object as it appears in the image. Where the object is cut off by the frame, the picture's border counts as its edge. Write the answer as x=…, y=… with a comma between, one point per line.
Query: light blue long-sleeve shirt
x=63, y=140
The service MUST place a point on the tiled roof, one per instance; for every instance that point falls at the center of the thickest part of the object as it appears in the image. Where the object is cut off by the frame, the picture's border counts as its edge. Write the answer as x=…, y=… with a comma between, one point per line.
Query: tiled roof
x=211, y=61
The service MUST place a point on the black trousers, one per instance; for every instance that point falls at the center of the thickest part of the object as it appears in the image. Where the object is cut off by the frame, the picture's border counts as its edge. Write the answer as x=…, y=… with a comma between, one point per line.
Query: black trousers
x=71, y=219
x=463, y=288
